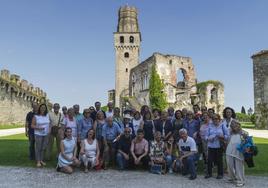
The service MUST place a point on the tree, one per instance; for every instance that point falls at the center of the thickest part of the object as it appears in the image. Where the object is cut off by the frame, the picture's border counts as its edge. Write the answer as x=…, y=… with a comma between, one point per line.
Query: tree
x=156, y=91
x=243, y=110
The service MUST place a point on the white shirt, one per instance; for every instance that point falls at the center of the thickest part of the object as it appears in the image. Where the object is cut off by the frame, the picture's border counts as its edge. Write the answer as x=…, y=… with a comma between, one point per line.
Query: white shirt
x=187, y=146
x=109, y=114
x=42, y=122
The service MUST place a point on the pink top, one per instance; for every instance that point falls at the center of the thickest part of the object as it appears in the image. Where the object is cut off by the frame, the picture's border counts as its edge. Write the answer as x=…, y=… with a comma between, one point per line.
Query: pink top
x=139, y=147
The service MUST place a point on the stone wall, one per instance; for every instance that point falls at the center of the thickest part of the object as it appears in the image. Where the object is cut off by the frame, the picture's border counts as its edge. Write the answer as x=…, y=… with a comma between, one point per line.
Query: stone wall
x=16, y=97
x=260, y=76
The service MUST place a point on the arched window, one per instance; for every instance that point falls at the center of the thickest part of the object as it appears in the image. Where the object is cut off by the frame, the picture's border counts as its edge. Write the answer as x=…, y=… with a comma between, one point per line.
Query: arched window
x=213, y=94
x=126, y=55
x=121, y=39
x=131, y=39
x=126, y=69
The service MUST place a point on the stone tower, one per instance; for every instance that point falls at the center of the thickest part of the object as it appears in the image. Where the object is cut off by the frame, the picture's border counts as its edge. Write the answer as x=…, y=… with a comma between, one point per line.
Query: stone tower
x=127, y=41
x=260, y=74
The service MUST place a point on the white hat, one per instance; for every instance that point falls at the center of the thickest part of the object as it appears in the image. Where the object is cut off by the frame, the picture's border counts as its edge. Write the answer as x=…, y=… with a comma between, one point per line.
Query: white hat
x=127, y=116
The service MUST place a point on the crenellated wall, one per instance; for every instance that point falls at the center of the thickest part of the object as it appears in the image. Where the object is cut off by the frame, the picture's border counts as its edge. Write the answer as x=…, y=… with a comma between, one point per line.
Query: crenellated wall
x=16, y=97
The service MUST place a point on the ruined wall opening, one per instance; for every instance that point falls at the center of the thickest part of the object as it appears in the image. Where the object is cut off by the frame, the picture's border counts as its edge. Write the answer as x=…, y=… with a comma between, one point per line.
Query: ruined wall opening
x=213, y=95
x=181, y=75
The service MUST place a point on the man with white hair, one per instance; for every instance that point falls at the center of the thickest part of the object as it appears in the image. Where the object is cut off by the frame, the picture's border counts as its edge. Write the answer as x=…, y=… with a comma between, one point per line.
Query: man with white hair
x=188, y=154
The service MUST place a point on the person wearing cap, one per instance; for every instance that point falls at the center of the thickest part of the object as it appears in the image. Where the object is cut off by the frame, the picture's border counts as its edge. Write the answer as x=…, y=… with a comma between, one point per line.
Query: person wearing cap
x=127, y=123
x=188, y=154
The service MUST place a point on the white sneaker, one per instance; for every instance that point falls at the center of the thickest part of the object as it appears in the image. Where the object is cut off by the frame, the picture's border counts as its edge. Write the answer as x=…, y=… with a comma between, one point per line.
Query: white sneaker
x=240, y=184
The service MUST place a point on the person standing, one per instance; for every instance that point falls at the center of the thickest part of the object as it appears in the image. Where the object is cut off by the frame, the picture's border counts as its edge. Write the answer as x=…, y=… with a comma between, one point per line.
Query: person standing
x=29, y=131
x=84, y=124
x=97, y=109
x=216, y=133
x=56, y=122
x=40, y=124
x=111, y=133
x=64, y=112
x=137, y=121
x=235, y=158
x=110, y=111
x=164, y=126
x=228, y=116
x=148, y=127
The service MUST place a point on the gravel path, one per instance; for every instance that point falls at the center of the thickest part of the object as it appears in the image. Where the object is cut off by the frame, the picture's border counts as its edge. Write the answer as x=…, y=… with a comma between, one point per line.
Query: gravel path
x=30, y=177
x=8, y=132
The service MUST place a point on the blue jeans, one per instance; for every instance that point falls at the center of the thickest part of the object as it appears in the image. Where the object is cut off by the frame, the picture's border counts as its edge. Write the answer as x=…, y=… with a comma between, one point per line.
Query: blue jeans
x=169, y=160
x=189, y=164
x=121, y=161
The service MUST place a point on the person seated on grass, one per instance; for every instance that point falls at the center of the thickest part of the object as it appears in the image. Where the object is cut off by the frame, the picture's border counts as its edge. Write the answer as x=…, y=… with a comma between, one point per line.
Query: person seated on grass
x=188, y=154
x=67, y=157
x=139, y=150
x=171, y=154
x=90, y=152
x=157, y=148
x=123, y=153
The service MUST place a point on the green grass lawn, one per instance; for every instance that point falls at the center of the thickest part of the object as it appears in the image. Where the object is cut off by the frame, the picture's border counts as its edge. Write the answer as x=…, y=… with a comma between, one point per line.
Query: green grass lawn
x=14, y=152
x=10, y=126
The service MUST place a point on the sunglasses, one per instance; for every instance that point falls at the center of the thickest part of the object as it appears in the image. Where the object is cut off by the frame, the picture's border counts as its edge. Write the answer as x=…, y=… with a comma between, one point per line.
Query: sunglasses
x=127, y=131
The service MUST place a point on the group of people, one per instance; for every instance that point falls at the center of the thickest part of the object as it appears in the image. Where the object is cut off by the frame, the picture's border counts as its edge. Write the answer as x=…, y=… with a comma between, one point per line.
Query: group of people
x=172, y=140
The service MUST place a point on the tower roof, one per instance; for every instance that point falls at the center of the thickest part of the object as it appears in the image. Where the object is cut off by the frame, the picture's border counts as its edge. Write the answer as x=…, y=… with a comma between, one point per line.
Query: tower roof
x=128, y=19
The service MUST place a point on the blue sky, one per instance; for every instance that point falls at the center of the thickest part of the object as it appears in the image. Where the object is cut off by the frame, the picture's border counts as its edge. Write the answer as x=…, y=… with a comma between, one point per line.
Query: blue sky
x=66, y=46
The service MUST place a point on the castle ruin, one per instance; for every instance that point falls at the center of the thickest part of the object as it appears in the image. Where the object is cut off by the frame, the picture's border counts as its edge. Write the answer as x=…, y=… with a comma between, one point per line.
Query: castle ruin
x=132, y=77
x=16, y=97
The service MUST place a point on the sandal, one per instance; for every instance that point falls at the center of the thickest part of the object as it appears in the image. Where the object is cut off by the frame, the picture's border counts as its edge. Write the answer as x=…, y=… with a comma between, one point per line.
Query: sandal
x=38, y=165
x=43, y=163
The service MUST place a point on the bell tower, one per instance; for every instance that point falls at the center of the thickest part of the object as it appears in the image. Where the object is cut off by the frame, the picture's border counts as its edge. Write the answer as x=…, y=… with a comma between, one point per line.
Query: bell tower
x=127, y=41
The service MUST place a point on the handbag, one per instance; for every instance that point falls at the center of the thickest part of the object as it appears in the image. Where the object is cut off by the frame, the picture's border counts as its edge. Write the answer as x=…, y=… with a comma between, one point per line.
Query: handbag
x=156, y=169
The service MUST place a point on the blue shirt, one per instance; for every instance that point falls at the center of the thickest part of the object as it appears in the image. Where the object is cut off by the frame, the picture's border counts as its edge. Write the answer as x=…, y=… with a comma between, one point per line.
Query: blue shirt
x=214, y=132
x=83, y=126
x=191, y=127
x=110, y=132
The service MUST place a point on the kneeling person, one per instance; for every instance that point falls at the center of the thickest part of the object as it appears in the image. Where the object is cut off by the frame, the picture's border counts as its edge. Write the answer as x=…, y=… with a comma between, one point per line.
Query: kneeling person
x=123, y=153
x=139, y=149
x=188, y=154
x=90, y=151
x=67, y=157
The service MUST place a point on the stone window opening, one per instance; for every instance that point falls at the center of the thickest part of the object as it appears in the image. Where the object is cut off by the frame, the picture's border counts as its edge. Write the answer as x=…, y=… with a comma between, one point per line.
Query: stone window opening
x=170, y=62
x=126, y=55
x=7, y=86
x=213, y=95
x=181, y=78
x=122, y=39
x=126, y=69
x=131, y=39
